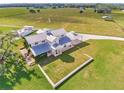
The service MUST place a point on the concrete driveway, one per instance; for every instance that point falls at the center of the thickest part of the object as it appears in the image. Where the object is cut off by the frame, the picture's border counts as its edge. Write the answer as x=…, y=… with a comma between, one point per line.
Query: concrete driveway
x=85, y=37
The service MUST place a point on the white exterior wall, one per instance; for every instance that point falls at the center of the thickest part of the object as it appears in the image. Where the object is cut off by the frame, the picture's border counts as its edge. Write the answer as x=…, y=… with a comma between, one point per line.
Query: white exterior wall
x=75, y=42
x=39, y=42
x=55, y=41
x=57, y=51
x=68, y=46
x=61, y=49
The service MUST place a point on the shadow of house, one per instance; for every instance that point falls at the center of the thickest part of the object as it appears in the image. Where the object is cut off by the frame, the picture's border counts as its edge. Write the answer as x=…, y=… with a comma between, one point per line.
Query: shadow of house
x=65, y=57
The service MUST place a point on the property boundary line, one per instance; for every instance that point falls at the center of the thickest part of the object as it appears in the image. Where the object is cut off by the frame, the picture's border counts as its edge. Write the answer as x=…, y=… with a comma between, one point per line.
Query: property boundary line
x=55, y=85
x=47, y=77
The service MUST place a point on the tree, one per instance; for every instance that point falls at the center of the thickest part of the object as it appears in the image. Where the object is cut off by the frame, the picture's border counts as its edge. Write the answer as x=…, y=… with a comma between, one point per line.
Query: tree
x=12, y=66
x=38, y=10
x=9, y=60
x=32, y=11
x=81, y=11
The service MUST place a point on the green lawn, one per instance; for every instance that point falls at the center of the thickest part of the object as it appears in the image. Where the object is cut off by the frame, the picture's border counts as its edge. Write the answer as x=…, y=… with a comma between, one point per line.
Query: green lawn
x=70, y=19
x=108, y=55
x=4, y=30
x=107, y=66
x=105, y=72
x=33, y=81
x=58, y=68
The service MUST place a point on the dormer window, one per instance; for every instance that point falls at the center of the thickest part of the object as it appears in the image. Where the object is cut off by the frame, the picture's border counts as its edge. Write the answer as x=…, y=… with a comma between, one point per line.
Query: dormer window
x=43, y=41
x=36, y=43
x=62, y=35
x=75, y=34
x=64, y=45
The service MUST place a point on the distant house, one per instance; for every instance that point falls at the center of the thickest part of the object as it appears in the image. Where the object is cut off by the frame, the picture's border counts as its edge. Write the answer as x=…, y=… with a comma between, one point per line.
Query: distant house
x=53, y=42
x=104, y=10
x=107, y=18
x=26, y=30
x=122, y=9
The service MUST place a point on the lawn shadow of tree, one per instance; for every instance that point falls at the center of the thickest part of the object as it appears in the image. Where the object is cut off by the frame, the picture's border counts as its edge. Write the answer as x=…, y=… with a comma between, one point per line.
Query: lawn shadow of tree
x=7, y=82
x=13, y=68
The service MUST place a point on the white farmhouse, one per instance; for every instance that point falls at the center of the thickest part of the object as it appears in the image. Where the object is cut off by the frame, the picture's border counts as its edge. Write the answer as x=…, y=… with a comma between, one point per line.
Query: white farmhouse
x=53, y=42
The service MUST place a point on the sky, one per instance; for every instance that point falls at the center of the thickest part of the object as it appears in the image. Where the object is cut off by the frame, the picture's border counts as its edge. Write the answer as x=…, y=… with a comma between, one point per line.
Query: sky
x=60, y=1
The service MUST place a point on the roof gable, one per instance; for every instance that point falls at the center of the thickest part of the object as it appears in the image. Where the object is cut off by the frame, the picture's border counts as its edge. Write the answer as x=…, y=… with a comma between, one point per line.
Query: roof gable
x=58, y=32
x=51, y=38
x=64, y=40
x=36, y=38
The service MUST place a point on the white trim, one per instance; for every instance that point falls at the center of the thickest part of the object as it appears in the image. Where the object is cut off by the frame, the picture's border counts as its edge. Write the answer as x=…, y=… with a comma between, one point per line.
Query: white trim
x=33, y=52
x=47, y=77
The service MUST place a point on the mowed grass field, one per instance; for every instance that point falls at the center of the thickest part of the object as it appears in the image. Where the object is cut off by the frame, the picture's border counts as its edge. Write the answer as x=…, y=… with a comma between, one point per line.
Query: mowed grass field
x=105, y=72
x=58, y=68
x=4, y=29
x=70, y=19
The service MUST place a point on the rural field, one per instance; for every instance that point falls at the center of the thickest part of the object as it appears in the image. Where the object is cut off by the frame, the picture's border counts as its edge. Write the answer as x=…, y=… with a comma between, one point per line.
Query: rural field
x=105, y=72
x=59, y=67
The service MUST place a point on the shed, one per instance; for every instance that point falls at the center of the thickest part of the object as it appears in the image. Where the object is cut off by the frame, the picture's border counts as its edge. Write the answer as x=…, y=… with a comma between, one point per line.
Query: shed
x=26, y=30
x=104, y=10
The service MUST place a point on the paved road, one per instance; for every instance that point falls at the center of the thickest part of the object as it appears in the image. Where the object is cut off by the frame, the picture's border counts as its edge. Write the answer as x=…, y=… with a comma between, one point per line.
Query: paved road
x=85, y=37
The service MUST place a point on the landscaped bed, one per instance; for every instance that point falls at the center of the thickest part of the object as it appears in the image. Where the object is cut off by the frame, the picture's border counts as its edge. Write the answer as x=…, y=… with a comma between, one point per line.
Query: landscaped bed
x=58, y=68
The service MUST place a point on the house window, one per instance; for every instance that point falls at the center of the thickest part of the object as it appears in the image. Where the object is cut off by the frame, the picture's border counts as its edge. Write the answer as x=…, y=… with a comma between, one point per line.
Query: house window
x=56, y=52
x=62, y=35
x=43, y=41
x=75, y=34
x=49, y=51
x=36, y=43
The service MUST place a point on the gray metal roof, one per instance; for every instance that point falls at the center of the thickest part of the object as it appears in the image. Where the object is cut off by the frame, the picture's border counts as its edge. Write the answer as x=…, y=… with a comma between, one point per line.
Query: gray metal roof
x=58, y=32
x=36, y=38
